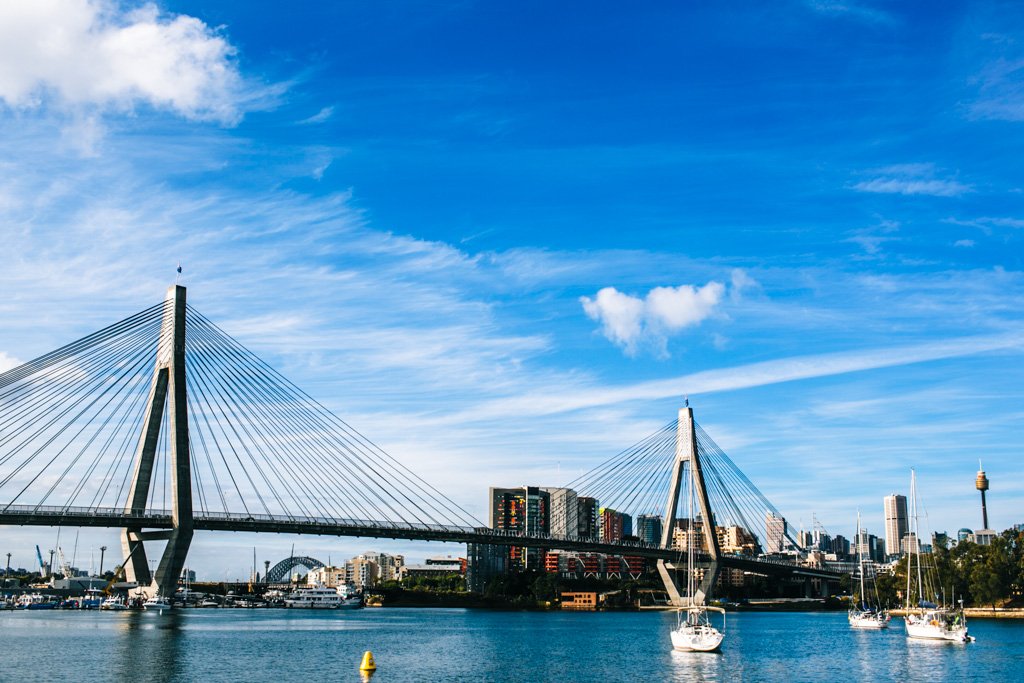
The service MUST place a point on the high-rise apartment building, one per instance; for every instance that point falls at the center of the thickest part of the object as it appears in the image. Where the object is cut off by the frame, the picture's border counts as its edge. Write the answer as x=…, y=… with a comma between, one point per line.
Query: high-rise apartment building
x=564, y=512
x=774, y=533
x=896, y=525
x=613, y=525
x=648, y=528
x=587, y=517
x=525, y=510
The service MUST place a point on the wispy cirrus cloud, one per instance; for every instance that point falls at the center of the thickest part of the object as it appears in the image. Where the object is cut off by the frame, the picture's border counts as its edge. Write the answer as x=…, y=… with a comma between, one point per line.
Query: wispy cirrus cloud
x=745, y=376
x=851, y=10
x=987, y=223
x=912, y=179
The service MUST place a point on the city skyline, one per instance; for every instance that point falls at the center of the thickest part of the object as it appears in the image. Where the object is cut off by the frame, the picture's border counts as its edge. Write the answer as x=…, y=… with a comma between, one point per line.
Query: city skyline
x=506, y=265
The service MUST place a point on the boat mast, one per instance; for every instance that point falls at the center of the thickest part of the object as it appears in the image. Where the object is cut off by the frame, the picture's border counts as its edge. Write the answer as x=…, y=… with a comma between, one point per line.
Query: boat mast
x=917, y=540
x=860, y=560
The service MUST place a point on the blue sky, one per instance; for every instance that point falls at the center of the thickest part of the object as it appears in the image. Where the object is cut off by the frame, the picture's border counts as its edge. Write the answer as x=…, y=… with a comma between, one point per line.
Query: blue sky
x=505, y=239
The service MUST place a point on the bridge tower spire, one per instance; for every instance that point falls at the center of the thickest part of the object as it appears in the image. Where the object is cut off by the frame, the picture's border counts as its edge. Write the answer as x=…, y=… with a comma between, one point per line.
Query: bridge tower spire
x=686, y=453
x=168, y=392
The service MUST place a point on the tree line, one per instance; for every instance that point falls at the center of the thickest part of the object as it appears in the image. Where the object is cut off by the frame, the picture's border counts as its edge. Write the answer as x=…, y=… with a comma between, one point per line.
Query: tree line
x=980, y=575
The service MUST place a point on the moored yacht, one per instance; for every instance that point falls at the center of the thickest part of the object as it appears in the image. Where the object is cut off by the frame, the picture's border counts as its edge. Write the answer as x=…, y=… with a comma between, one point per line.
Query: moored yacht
x=157, y=602
x=862, y=615
x=926, y=620
x=314, y=597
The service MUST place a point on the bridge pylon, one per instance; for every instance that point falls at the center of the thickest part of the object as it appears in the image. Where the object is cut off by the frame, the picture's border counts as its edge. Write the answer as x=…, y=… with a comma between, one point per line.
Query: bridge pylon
x=167, y=393
x=686, y=453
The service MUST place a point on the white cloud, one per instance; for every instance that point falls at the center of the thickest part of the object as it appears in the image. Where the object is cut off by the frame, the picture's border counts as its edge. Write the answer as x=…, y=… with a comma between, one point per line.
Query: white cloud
x=323, y=115
x=630, y=321
x=963, y=243
x=98, y=54
x=741, y=377
x=8, y=362
x=986, y=223
x=912, y=179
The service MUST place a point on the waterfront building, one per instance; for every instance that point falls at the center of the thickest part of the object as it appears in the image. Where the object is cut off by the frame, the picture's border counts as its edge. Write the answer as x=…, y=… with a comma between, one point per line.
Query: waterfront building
x=564, y=512
x=435, y=566
x=613, y=525
x=735, y=540
x=328, y=576
x=983, y=537
x=524, y=510
x=587, y=517
x=775, y=533
x=896, y=522
x=963, y=535
x=484, y=562
x=648, y=528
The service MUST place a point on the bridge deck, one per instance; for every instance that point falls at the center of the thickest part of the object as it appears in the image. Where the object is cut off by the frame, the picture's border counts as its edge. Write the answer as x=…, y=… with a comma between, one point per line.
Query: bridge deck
x=28, y=515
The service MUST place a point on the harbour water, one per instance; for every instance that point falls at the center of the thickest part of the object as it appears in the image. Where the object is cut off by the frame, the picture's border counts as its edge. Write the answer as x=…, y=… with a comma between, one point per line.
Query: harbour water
x=480, y=645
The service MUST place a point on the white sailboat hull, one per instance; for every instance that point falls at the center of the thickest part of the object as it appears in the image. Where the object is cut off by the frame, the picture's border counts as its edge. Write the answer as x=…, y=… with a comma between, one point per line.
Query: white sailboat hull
x=869, y=622
x=926, y=628
x=702, y=638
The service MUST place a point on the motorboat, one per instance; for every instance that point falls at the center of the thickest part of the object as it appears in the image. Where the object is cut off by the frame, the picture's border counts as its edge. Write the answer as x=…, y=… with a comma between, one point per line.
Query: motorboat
x=92, y=600
x=113, y=604
x=157, y=602
x=350, y=597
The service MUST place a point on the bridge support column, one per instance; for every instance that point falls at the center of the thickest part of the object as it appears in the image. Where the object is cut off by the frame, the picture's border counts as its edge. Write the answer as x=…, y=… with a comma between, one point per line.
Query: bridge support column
x=167, y=393
x=686, y=452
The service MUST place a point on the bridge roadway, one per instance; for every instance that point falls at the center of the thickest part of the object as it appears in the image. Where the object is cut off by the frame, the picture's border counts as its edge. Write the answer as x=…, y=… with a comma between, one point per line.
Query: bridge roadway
x=29, y=515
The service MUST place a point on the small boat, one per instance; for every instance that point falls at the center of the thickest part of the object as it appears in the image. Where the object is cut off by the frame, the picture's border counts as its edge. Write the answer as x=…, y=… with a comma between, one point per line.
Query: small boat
x=113, y=604
x=208, y=602
x=92, y=600
x=157, y=602
x=350, y=597
x=36, y=601
x=927, y=620
x=862, y=615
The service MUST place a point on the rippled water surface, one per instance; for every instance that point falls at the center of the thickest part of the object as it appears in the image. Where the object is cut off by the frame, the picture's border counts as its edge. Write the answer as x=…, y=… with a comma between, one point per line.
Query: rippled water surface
x=476, y=645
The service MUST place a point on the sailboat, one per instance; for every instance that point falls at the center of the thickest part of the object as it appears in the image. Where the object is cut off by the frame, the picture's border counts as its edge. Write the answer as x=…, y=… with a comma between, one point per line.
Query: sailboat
x=927, y=620
x=862, y=615
x=694, y=631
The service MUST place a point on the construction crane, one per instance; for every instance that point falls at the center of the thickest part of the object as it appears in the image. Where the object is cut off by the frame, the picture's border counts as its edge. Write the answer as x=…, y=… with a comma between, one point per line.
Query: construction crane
x=65, y=568
x=119, y=572
x=42, y=566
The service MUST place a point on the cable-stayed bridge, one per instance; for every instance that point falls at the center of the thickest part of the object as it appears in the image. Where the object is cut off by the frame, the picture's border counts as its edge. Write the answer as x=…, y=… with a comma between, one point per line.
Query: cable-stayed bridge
x=162, y=424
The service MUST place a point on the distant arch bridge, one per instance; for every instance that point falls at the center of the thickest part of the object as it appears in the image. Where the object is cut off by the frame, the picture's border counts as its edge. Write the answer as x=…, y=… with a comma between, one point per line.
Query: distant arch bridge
x=283, y=569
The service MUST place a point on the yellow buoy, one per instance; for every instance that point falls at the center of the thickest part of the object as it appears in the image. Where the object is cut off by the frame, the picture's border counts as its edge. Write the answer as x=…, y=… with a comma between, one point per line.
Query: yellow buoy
x=368, y=663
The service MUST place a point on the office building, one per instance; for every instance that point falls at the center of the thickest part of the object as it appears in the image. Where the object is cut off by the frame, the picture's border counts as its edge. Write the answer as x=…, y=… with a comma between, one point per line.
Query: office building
x=648, y=529
x=774, y=533
x=896, y=524
x=564, y=512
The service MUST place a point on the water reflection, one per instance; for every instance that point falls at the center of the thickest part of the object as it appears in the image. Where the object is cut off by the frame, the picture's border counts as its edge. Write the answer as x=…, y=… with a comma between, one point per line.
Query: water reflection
x=697, y=666
x=147, y=646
